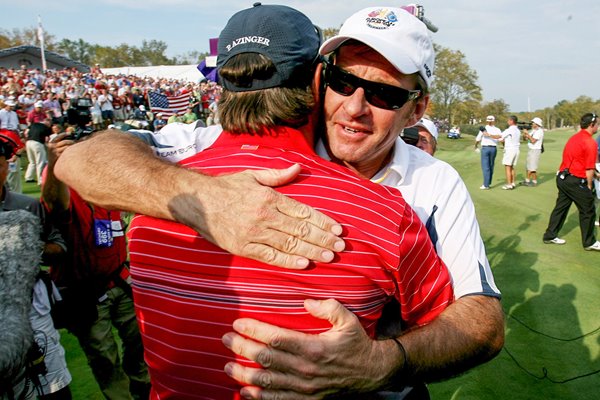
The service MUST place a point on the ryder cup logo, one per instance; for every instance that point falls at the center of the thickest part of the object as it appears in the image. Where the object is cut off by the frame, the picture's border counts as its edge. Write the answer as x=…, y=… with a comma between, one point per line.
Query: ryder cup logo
x=381, y=19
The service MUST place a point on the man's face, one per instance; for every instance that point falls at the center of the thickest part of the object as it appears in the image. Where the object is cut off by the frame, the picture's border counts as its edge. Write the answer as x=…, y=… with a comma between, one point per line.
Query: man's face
x=426, y=141
x=359, y=134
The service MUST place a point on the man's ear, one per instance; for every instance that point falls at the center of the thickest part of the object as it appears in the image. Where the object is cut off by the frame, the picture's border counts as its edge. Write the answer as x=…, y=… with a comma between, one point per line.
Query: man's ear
x=419, y=110
x=316, y=85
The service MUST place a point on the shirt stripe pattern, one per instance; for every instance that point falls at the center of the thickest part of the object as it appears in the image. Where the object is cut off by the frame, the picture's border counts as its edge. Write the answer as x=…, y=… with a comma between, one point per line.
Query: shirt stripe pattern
x=188, y=291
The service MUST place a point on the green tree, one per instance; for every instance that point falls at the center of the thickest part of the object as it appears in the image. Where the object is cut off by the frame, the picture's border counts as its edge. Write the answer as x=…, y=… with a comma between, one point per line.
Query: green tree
x=25, y=36
x=191, y=57
x=455, y=83
x=498, y=108
x=153, y=53
x=78, y=50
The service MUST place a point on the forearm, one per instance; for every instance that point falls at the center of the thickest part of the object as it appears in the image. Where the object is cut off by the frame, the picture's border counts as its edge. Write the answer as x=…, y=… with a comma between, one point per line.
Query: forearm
x=55, y=193
x=590, y=175
x=468, y=333
x=119, y=171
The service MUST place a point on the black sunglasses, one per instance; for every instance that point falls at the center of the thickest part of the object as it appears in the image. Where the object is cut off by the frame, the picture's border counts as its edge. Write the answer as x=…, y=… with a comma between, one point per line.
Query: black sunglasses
x=379, y=95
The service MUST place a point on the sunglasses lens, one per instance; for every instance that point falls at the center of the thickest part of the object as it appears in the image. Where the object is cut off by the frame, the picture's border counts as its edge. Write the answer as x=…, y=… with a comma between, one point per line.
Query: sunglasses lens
x=387, y=98
x=379, y=95
x=340, y=82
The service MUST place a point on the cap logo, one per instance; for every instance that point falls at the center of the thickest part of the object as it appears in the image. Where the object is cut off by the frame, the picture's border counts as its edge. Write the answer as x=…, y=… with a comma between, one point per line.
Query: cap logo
x=427, y=71
x=248, y=39
x=381, y=19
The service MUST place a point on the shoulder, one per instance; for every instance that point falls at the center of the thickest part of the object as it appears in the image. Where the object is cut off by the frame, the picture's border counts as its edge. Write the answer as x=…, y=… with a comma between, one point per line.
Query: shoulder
x=431, y=176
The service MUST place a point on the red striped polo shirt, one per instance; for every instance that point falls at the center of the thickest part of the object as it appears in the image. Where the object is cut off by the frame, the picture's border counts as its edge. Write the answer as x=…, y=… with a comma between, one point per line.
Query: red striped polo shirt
x=188, y=292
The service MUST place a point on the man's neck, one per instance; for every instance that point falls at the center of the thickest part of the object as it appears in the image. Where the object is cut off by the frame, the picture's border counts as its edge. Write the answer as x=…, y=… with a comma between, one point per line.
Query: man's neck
x=365, y=170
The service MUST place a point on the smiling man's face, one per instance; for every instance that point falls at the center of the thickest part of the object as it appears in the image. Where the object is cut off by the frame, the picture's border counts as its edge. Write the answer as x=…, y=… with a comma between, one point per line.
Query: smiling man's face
x=360, y=135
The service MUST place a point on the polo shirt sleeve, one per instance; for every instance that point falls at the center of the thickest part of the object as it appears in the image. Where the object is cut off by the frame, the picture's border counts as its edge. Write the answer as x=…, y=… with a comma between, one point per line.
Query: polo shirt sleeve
x=424, y=284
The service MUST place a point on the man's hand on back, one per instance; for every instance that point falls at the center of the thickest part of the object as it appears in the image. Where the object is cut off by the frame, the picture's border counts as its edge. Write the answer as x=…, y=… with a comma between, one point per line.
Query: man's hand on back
x=246, y=218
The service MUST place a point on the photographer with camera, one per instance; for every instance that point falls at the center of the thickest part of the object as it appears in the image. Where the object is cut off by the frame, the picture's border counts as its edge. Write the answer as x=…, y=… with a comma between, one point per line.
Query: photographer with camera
x=535, y=143
x=79, y=116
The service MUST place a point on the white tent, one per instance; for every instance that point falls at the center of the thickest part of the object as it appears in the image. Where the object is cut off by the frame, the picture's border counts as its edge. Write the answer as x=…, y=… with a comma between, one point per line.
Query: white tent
x=181, y=72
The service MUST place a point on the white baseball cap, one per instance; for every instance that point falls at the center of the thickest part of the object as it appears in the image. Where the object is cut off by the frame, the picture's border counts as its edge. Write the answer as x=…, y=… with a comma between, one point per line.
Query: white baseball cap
x=400, y=37
x=490, y=118
x=10, y=102
x=38, y=104
x=429, y=126
x=537, y=121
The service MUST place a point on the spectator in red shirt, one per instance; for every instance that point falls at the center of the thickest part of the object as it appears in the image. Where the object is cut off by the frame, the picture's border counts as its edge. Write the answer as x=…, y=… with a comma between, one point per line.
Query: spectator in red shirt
x=575, y=183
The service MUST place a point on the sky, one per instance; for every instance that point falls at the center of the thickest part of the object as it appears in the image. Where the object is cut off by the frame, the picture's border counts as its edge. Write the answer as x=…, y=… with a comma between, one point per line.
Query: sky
x=531, y=54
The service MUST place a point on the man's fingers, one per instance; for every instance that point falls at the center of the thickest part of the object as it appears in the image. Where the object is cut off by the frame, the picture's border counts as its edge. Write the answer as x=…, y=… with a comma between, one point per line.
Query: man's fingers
x=279, y=338
x=292, y=208
x=264, y=384
x=276, y=177
x=277, y=248
x=331, y=310
x=260, y=353
x=303, y=212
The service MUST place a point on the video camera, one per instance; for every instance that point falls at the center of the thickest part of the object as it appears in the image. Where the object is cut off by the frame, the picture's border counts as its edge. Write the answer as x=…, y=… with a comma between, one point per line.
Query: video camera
x=80, y=116
x=524, y=125
x=410, y=135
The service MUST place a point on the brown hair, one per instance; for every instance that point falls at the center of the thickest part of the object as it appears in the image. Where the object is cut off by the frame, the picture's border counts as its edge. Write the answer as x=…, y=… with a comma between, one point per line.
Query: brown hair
x=251, y=111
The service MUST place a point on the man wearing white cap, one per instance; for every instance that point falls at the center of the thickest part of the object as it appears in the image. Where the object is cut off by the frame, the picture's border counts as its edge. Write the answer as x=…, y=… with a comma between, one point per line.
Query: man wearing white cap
x=37, y=114
x=535, y=144
x=372, y=92
x=428, y=135
x=488, y=137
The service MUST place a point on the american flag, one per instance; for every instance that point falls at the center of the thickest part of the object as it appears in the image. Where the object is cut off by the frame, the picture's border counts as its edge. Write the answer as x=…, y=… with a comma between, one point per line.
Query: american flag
x=168, y=105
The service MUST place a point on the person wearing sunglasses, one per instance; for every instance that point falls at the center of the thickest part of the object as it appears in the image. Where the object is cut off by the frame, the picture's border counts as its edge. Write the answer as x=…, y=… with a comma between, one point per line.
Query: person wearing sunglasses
x=379, y=86
x=575, y=183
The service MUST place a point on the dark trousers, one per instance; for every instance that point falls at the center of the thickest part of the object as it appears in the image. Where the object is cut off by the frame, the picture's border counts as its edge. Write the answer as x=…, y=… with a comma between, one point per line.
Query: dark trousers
x=488, y=156
x=573, y=190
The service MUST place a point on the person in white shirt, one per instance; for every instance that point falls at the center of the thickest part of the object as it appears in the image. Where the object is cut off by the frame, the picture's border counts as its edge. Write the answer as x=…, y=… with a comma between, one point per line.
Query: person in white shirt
x=489, y=148
x=511, y=137
x=536, y=145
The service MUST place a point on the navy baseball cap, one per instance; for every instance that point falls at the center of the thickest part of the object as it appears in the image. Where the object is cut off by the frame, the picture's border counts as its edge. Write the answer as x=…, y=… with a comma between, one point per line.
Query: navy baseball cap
x=284, y=35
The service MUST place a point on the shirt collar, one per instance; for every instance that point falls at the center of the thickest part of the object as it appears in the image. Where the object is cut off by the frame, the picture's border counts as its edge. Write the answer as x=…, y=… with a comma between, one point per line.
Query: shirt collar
x=278, y=137
x=391, y=174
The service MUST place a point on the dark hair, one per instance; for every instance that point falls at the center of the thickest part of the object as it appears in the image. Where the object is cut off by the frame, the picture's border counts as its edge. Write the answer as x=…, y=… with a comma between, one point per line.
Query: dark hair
x=513, y=118
x=588, y=119
x=251, y=111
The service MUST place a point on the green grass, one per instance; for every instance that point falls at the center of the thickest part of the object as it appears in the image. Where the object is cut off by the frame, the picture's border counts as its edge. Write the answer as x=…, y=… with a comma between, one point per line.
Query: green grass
x=551, y=289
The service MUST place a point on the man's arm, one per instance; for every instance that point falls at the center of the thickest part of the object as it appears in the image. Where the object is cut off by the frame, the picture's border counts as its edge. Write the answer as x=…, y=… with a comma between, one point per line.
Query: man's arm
x=590, y=174
x=236, y=212
x=55, y=193
x=343, y=359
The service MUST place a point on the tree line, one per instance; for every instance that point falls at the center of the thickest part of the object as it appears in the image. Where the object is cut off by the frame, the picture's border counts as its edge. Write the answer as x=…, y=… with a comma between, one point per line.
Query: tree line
x=456, y=94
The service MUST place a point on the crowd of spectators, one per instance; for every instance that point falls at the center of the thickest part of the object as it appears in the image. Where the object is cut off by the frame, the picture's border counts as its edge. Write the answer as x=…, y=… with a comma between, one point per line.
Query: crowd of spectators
x=114, y=98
